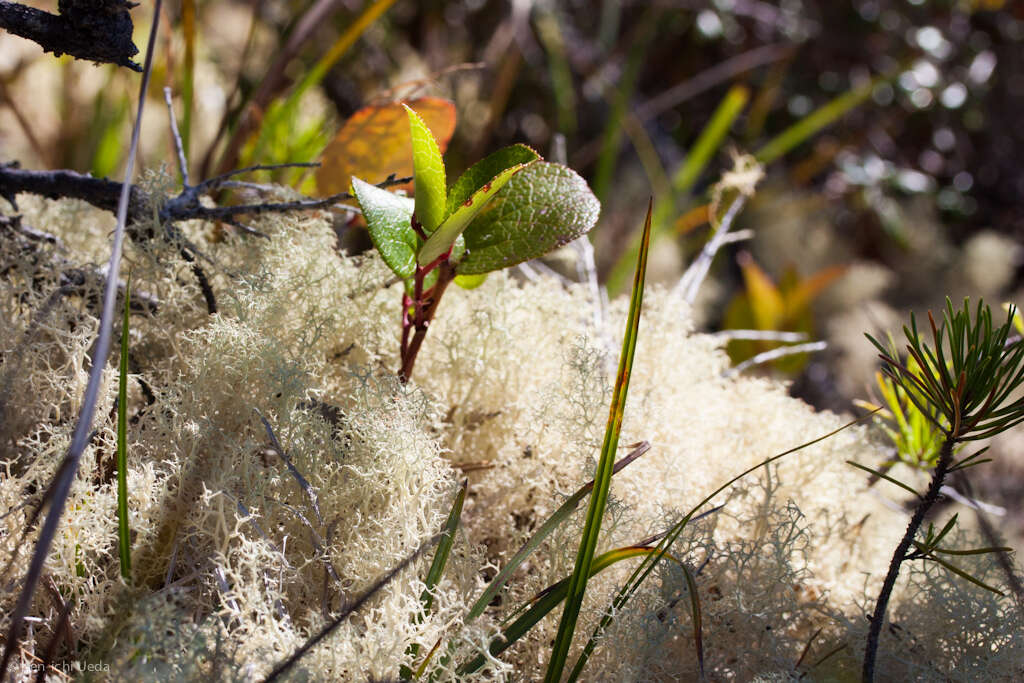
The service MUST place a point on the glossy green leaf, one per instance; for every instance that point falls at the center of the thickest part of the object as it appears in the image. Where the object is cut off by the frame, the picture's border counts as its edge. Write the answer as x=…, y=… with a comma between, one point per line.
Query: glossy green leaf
x=482, y=171
x=453, y=226
x=541, y=208
x=388, y=222
x=428, y=173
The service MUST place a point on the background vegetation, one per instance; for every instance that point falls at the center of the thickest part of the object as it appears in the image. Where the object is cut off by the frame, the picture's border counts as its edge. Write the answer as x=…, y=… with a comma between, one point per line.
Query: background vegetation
x=888, y=130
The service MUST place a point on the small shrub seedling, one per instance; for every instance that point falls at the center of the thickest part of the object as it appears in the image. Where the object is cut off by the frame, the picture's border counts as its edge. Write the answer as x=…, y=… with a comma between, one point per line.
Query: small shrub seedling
x=506, y=209
x=914, y=434
x=962, y=384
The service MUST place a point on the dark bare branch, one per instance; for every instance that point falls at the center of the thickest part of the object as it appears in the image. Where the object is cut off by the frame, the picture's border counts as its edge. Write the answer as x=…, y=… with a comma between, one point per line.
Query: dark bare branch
x=99, y=192
x=103, y=194
x=95, y=30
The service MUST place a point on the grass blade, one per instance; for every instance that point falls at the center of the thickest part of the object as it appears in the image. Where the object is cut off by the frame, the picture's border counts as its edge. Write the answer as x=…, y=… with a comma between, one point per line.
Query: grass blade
x=696, y=615
x=647, y=566
x=550, y=35
x=710, y=139
x=705, y=146
x=820, y=118
x=281, y=113
x=603, y=476
x=611, y=139
x=124, y=539
x=60, y=487
x=188, y=29
x=552, y=523
x=444, y=548
x=547, y=600
x=882, y=475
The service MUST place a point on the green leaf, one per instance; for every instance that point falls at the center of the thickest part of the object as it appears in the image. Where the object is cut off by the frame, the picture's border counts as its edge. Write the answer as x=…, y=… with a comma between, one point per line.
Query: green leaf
x=444, y=547
x=453, y=226
x=470, y=281
x=973, y=551
x=541, y=208
x=882, y=475
x=428, y=171
x=697, y=158
x=942, y=534
x=388, y=221
x=962, y=574
x=482, y=171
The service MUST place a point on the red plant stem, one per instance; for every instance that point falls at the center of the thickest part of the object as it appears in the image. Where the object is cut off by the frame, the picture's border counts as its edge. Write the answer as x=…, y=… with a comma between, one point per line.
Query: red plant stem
x=424, y=309
x=878, y=617
x=406, y=323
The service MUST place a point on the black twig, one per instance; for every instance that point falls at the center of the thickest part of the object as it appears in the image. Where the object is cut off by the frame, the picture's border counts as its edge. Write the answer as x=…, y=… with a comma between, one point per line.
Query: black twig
x=303, y=482
x=85, y=29
x=287, y=664
x=204, y=282
x=103, y=194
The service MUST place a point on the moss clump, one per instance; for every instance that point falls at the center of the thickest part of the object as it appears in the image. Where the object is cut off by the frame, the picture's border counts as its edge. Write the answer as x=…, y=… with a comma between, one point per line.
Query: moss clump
x=235, y=563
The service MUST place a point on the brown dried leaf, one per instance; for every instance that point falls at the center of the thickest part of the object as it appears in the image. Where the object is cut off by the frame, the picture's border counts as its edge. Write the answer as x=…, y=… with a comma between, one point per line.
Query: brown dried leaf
x=375, y=142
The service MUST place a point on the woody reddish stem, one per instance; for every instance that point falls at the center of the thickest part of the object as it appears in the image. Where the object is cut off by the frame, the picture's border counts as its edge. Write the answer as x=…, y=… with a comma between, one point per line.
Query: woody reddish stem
x=424, y=308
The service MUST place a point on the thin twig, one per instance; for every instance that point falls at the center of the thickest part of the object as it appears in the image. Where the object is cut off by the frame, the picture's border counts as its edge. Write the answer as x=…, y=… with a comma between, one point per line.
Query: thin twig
x=978, y=505
x=279, y=607
x=287, y=664
x=319, y=544
x=705, y=80
x=542, y=268
x=738, y=236
x=527, y=270
x=775, y=354
x=179, y=146
x=709, y=78
x=61, y=484
x=303, y=482
x=692, y=279
x=222, y=583
x=760, y=335
x=218, y=180
x=72, y=279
